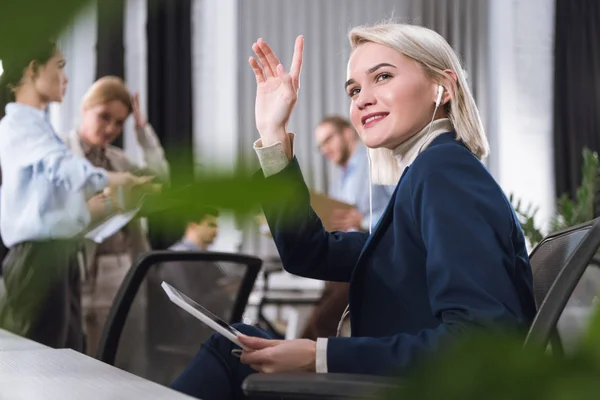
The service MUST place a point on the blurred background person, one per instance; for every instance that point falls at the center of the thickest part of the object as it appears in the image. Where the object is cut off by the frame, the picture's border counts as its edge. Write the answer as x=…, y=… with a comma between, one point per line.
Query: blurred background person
x=338, y=142
x=209, y=280
x=212, y=285
x=200, y=233
x=44, y=207
x=105, y=107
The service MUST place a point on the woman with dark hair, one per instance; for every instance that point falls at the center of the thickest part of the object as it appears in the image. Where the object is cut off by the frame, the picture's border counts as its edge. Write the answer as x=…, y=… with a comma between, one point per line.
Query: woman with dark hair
x=44, y=205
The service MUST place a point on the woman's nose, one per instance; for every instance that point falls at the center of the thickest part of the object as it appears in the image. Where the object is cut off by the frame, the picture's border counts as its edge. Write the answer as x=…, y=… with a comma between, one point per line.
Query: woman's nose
x=365, y=99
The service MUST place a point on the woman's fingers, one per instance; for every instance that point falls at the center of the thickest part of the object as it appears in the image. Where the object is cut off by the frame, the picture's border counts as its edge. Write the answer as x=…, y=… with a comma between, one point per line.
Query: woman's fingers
x=268, y=69
x=296, y=67
x=258, y=72
x=270, y=66
x=256, y=367
x=256, y=343
x=271, y=59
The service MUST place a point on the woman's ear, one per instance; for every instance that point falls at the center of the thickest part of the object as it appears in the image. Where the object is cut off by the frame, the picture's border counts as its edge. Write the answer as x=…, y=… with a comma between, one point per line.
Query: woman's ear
x=31, y=71
x=449, y=83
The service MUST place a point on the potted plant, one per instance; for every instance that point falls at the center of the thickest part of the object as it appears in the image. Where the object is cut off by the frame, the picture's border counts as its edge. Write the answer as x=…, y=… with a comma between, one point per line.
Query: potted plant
x=569, y=212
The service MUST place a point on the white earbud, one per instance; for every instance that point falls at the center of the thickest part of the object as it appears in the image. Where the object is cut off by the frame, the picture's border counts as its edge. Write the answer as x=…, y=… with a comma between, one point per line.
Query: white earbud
x=438, y=101
x=439, y=97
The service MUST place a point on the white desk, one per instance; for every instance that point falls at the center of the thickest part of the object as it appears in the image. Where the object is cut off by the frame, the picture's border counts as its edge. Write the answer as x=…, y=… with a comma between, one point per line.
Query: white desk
x=50, y=374
x=10, y=342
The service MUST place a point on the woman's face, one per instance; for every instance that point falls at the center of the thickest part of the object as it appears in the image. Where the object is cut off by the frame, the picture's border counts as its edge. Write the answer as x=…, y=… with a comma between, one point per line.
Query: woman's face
x=103, y=123
x=49, y=79
x=391, y=97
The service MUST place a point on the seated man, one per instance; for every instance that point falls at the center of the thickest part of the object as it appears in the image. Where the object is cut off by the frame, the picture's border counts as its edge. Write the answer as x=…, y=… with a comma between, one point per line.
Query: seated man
x=210, y=284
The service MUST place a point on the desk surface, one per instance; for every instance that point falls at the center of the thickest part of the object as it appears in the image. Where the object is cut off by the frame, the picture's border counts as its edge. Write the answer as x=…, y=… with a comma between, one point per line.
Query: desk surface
x=10, y=341
x=65, y=374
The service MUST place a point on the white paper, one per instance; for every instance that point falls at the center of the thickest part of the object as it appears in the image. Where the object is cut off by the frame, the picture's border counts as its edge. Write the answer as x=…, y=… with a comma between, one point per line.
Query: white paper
x=111, y=226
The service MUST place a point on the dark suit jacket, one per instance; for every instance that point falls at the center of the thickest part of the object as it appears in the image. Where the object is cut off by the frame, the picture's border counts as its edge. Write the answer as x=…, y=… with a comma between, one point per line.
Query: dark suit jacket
x=447, y=257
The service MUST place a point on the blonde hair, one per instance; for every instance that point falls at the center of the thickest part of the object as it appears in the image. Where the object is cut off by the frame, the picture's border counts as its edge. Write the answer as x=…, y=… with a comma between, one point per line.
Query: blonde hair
x=105, y=90
x=433, y=53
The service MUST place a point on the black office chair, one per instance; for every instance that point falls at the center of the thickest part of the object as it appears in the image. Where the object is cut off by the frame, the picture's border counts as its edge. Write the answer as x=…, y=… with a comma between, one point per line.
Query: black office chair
x=558, y=263
x=151, y=337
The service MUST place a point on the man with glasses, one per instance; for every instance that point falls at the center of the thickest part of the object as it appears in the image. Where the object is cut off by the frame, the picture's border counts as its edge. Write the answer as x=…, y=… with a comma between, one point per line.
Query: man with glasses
x=338, y=142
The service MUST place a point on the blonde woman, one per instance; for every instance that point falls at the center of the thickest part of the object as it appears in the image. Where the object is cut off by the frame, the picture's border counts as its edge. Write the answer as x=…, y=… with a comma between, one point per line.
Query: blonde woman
x=448, y=255
x=105, y=108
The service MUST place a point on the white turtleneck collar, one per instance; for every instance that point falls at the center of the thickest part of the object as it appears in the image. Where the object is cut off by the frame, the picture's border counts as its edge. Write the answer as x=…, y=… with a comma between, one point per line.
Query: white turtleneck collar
x=410, y=149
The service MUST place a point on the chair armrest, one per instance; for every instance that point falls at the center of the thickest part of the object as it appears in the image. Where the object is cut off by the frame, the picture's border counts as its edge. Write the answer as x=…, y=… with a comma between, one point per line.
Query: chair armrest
x=317, y=386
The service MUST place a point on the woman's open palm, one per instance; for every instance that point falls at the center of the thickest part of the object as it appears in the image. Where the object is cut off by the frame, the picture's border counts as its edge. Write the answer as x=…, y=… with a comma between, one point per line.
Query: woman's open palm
x=277, y=90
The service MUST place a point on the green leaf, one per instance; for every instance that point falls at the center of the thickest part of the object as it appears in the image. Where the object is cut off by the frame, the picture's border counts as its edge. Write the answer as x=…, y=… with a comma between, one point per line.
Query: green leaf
x=25, y=24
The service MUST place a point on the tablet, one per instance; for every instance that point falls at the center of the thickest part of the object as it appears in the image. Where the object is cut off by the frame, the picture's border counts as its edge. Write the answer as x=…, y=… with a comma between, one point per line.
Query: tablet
x=202, y=314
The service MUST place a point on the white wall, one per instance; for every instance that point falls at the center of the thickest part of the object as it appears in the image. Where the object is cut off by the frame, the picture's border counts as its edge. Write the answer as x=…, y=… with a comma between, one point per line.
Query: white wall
x=521, y=81
x=215, y=63
x=78, y=43
x=136, y=67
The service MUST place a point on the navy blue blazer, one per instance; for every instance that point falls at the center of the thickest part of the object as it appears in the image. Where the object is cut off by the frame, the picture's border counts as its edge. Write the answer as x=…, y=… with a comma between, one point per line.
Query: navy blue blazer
x=447, y=256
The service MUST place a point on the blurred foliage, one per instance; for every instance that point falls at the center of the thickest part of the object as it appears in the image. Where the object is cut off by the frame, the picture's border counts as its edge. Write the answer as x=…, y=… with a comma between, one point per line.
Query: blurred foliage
x=500, y=367
x=527, y=217
x=24, y=24
x=569, y=212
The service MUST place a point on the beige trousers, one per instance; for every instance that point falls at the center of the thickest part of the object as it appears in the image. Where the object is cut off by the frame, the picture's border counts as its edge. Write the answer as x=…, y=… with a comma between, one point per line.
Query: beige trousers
x=99, y=290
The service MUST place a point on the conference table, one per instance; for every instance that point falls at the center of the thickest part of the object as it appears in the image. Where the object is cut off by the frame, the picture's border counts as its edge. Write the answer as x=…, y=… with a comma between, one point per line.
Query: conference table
x=32, y=371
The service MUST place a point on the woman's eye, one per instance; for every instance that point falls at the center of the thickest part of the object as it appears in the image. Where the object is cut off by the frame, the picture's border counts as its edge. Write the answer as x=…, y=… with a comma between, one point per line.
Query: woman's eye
x=353, y=92
x=383, y=76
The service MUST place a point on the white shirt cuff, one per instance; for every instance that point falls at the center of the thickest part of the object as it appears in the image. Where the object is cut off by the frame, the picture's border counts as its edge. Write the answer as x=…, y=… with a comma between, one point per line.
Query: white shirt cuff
x=272, y=158
x=321, y=357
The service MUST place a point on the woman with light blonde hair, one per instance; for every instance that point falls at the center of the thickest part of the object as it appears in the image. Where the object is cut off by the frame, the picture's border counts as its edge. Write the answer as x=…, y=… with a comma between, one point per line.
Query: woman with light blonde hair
x=105, y=107
x=448, y=256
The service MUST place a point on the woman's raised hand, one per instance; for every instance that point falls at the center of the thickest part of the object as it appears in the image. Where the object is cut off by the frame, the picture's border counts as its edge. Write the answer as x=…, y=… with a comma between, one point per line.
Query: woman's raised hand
x=276, y=92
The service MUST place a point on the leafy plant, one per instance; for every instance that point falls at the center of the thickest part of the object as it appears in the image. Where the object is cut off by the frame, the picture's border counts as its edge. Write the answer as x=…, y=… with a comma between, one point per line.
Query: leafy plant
x=569, y=212
x=528, y=224
x=499, y=368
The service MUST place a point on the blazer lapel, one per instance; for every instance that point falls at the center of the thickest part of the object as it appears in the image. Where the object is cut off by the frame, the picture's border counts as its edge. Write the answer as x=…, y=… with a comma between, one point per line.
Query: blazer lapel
x=381, y=226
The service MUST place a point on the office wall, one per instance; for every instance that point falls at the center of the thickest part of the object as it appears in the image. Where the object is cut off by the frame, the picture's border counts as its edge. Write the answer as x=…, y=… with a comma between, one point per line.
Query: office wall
x=78, y=45
x=521, y=34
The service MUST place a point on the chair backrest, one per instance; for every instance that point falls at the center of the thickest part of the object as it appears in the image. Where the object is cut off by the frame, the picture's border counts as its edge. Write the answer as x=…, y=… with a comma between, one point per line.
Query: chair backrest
x=558, y=263
x=151, y=337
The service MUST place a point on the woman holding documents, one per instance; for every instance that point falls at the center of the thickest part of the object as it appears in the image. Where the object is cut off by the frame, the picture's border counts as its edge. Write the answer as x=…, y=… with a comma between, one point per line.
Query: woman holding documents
x=448, y=256
x=105, y=108
x=44, y=206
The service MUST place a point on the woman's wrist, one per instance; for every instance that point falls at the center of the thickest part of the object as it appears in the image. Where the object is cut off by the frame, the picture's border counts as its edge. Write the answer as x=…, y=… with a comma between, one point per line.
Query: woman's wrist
x=272, y=136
